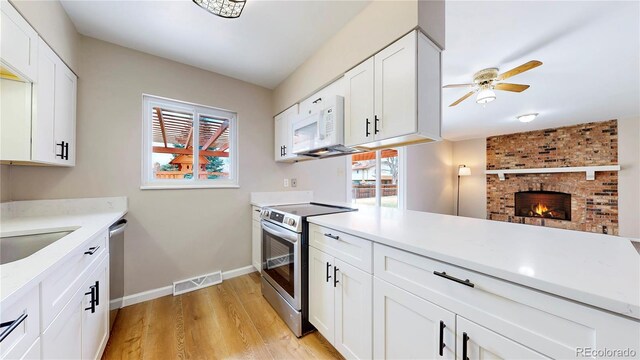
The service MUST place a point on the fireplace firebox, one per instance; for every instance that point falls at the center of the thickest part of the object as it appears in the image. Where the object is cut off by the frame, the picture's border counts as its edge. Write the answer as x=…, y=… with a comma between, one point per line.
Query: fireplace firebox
x=543, y=204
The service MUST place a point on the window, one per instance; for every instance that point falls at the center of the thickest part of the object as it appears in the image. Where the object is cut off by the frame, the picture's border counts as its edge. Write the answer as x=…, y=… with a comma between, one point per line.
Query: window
x=187, y=145
x=376, y=178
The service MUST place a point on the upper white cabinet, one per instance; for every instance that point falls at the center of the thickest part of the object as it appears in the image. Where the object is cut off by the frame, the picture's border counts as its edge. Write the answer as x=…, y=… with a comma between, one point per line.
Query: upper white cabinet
x=18, y=45
x=283, y=135
x=393, y=98
x=315, y=102
x=38, y=116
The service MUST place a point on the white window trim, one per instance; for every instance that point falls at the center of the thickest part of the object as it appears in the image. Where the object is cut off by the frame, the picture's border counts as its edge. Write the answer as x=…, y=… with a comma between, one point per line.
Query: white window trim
x=402, y=179
x=147, y=180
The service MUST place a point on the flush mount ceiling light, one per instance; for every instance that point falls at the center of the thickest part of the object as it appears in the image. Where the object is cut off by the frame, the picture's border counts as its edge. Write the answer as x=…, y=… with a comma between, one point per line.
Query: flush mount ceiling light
x=527, y=117
x=486, y=95
x=224, y=8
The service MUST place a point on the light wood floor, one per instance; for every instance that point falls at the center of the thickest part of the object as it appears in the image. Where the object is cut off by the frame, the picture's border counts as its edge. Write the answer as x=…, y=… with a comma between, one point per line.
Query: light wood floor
x=230, y=320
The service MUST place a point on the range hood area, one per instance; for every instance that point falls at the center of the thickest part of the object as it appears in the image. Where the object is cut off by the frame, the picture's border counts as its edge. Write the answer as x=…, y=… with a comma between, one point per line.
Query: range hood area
x=391, y=99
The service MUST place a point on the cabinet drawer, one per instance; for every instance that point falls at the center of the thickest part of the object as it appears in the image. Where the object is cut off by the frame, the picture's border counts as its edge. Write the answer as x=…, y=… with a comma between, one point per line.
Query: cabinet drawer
x=550, y=325
x=255, y=212
x=348, y=248
x=65, y=280
x=18, y=342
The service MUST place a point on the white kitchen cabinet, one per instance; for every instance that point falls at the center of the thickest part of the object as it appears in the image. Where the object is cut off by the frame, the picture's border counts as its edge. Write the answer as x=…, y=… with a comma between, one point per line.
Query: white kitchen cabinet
x=18, y=45
x=284, y=136
x=393, y=98
x=358, y=104
x=408, y=327
x=42, y=140
x=314, y=102
x=477, y=342
x=256, y=238
x=95, y=312
x=63, y=338
x=340, y=304
x=64, y=133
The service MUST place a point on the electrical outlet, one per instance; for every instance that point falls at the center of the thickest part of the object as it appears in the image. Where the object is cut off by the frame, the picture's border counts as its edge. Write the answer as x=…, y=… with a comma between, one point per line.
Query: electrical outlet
x=294, y=182
x=286, y=182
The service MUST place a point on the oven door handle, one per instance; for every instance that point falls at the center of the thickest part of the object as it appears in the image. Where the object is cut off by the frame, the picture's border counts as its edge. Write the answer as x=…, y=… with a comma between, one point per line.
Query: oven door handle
x=283, y=234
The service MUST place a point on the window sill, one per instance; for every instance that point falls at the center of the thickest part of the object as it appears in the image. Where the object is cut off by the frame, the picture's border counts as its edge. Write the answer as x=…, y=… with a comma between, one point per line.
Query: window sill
x=193, y=186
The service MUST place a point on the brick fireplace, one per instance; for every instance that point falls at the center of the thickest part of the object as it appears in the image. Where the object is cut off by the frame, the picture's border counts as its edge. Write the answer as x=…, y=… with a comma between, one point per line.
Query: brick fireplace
x=561, y=200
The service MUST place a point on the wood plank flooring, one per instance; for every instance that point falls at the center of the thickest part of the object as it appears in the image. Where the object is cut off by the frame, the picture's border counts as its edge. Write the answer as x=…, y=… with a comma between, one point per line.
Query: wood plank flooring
x=227, y=321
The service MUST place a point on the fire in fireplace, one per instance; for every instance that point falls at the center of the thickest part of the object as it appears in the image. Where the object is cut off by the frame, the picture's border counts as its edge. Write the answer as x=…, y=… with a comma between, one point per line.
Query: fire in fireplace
x=543, y=204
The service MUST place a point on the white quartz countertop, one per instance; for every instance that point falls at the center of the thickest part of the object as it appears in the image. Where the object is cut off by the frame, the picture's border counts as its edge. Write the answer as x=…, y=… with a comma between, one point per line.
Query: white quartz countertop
x=599, y=270
x=88, y=216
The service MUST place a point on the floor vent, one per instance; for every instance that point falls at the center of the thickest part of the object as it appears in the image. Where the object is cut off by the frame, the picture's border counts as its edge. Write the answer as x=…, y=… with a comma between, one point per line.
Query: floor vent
x=199, y=282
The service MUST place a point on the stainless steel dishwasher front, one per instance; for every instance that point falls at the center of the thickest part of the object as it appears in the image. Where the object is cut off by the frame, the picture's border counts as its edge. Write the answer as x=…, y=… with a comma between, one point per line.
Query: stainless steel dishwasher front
x=116, y=268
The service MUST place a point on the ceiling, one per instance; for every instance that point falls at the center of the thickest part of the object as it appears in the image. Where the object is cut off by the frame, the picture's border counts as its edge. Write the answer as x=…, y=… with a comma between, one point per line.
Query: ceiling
x=263, y=46
x=590, y=51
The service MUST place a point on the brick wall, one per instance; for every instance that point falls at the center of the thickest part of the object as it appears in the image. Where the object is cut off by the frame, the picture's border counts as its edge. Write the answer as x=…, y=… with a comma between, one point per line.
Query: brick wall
x=594, y=204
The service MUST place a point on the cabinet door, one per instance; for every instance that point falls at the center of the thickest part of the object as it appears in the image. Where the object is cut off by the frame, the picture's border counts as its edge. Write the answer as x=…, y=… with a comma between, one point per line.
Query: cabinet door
x=396, y=88
x=358, y=104
x=19, y=43
x=482, y=343
x=353, y=317
x=43, y=145
x=256, y=248
x=63, y=338
x=95, y=324
x=283, y=136
x=321, y=293
x=408, y=327
x=65, y=114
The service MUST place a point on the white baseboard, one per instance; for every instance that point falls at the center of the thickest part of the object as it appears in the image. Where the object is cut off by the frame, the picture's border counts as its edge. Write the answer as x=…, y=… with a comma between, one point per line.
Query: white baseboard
x=168, y=290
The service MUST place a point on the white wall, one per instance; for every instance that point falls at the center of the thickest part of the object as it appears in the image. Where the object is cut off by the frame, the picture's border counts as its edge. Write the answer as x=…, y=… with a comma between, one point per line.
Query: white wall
x=429, y=177
x=473, y=189
x=629, y=177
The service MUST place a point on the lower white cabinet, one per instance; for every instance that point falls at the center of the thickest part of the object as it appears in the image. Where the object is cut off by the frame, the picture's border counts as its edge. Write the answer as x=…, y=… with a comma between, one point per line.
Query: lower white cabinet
x=340, y=304
x=256, y=238
x=408, y=327
x=81, y=329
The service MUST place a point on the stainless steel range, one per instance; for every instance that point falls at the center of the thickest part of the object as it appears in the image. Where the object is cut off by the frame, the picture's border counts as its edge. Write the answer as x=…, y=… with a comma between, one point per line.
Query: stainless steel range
x=285, y=260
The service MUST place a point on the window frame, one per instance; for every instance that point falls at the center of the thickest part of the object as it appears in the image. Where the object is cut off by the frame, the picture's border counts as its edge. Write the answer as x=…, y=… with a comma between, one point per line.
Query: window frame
x=402, y=179
x=148, y=182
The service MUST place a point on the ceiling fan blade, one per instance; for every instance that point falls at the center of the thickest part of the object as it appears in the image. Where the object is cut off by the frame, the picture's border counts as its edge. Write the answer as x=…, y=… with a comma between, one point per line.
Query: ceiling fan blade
x=462, y=99
x=457, y=86
x=511, y=87
x=520, y=69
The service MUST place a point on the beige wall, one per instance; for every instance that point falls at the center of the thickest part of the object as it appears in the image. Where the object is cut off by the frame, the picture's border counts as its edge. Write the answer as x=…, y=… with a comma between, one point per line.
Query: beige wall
x=5, y=189
x=429, y=174
x=53, y=25
x=629, y=177
x=174, y=234
x=473, y=189
x=326, y=178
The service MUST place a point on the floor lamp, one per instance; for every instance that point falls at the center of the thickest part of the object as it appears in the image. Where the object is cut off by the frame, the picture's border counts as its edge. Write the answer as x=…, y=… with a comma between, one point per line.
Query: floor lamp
x=463, y=170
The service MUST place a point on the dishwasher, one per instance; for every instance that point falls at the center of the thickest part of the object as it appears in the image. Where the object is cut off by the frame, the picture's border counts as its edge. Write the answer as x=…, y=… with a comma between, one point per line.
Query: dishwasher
x=116, y=268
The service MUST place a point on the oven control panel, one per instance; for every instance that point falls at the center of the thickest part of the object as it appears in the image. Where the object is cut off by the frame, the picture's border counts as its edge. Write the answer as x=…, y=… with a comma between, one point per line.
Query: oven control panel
x=281, y=218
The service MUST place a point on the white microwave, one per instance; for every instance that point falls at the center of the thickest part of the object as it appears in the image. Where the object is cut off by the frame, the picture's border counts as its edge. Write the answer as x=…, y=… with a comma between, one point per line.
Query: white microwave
x=322, y=132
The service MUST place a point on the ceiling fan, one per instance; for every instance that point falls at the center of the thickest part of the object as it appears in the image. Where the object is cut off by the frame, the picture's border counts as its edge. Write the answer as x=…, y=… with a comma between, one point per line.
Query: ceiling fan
x=487, y=80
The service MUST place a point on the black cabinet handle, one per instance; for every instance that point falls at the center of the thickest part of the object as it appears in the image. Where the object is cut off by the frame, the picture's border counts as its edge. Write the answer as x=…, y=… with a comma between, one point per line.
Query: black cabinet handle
x=97, y=287
x=281, y=151
x=92, y=302
x=442, y=344
x=318, y=100
x=366, y=132
x=328, y=276
x=336, y=237
x=375, y=124
x=284, y=149
x=465, y=339
x=92, y=250
x=335, y=278
x=61, y=155
x=66, y=151
x=449, y=277
x=11, y=325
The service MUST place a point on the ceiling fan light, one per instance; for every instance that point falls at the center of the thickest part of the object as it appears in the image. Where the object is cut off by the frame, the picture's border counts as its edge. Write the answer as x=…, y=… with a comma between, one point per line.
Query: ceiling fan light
x=527, y=117
x=485, y=96
x=224, y=8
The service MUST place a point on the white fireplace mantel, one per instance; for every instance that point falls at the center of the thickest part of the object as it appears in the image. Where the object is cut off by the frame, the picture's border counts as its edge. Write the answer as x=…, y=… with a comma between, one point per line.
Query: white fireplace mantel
x=589, y=170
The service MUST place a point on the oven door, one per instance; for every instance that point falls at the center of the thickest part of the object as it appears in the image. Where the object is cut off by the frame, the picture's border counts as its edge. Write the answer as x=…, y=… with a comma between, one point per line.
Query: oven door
x=281, y=261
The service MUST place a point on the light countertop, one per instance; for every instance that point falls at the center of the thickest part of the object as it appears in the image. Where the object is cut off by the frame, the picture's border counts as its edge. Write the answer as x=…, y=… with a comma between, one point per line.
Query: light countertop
x=599, y=270
x=88, y=216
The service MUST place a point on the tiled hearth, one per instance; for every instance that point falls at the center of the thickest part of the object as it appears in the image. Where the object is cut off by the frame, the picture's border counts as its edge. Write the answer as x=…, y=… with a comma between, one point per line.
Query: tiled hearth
x=594, y=203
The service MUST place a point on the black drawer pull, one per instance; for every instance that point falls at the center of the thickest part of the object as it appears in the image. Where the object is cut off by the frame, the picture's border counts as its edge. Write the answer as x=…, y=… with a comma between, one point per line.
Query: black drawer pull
x=92, y=250
x=367, y=132
x=335, y=278
x=328, y=276
x=442, y=345
x=336, y=237
x=97, y=287
x=92, y=302
x=11, y=325
x=465, y=340
x=375, y=124
x=449, y=277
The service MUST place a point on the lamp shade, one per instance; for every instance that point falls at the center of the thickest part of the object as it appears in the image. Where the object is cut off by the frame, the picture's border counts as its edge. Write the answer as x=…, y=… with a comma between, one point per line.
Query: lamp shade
x=464, y=170
x=485, y=96
x=222, y=8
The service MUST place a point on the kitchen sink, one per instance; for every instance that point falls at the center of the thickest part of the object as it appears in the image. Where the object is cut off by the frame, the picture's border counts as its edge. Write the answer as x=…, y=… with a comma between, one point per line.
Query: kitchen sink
x=14, y=248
